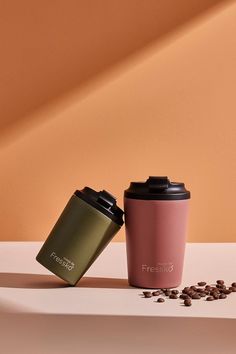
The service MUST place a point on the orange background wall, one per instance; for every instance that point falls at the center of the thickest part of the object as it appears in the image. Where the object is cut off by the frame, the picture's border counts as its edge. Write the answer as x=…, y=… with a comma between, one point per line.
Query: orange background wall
x=101, y=93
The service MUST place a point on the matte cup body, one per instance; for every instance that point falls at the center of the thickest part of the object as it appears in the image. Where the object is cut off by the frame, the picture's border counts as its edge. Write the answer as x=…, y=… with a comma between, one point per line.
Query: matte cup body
x=155, y=241
x=79, y=236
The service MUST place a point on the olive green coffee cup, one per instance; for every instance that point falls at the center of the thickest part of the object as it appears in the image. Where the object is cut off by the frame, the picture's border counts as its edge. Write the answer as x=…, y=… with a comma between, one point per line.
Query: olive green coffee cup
x=87, y=224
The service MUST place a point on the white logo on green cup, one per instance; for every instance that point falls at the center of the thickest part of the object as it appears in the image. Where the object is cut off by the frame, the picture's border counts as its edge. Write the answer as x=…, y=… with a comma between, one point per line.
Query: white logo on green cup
x=64, y=262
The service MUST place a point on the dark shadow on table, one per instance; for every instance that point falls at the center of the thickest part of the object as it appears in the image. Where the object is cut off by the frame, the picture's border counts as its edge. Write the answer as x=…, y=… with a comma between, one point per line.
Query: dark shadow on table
x=96, y=282
x=45, y=281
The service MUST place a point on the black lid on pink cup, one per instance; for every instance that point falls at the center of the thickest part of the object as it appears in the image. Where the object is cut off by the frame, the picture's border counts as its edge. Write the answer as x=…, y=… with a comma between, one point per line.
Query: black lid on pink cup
x=157, y=188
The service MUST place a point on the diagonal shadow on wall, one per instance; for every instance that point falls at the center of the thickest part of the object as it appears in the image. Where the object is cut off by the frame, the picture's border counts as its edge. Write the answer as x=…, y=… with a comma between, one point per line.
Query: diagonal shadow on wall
x=49, y=48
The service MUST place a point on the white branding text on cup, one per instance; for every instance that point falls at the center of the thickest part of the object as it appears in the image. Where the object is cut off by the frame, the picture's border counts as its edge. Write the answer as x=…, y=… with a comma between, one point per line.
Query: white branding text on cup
x=64, y=262
x=159, y=268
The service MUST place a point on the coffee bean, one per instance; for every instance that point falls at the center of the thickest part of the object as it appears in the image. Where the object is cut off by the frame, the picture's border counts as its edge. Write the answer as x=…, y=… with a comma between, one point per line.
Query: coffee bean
x=191, y=292
x=175, y=292
x=201, y=283
x=216, y=296
x=173, y=296
x=156, y=293
x=187, y=302
x=186, y=289
x=220, y=286
x=193, y=287
x=202, y=294
x=233, y=284
x=222, y=296
x=222, y=290
x=184, y=296
x=208, y=287
x=200, y=290
x=232, y=288
x=160, y=299
x=196, y=296
x=221, y=282
x=227, y=291
x=147, y=294
x=215, y=291
x=167, y=293
x=210, y=298
x=214, y=288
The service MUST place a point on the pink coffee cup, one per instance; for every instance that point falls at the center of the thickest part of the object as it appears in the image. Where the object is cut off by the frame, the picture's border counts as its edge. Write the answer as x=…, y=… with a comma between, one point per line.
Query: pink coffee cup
x=156, y=215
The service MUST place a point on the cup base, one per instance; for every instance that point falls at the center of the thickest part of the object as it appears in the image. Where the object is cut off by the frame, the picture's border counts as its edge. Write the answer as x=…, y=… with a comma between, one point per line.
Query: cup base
x=154, y=287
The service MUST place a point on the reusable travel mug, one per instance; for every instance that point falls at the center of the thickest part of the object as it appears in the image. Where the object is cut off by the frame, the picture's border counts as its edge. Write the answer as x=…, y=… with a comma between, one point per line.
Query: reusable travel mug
x=156, y=213
x=85, y=227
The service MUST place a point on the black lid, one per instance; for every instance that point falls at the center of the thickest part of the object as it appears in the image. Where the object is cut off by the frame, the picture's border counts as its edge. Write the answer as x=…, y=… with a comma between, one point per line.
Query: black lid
x=159, y=188
x=103, y=201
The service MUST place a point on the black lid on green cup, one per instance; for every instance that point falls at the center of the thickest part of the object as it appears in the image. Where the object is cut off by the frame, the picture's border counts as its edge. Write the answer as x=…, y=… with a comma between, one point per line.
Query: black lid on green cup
x=103, y=201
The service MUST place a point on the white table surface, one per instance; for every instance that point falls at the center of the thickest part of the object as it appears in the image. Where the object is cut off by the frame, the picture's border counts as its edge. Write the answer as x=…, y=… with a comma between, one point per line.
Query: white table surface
x=26, y=286
x=33, y=299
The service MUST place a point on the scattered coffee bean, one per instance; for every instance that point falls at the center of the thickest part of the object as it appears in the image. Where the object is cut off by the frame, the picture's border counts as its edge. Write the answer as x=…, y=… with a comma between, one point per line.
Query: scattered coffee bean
x=215, y=291
x=201, y=283
x=208, y=287
x=218, y=291
x=191, y=293
x=215, y=288
x=193, y=287
x=167, y=293
x=202, y=294
x=156, y=293
x=222, y=290
x=210, y=298
x=186, y=289
x=147, y=294
x=232, y=288
x=220, y=286
x=175, y=292
x=221, y=282
x=201, y=290
x=187, y=302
